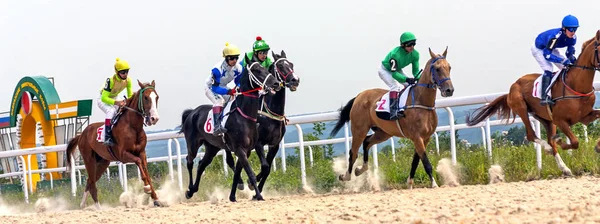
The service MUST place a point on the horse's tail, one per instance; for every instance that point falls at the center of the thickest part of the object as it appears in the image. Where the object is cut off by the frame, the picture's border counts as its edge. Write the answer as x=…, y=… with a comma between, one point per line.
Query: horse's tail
x=499, y=106
x=344, y=117
x=184, y=116
x=70, y=149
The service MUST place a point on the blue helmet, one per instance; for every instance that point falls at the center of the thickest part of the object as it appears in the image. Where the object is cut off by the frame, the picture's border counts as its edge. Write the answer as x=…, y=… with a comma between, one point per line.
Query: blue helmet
x=570, y=21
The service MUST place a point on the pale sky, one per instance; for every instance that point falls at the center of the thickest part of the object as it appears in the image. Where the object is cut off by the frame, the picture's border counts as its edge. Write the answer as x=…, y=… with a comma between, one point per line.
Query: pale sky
x=336, y=46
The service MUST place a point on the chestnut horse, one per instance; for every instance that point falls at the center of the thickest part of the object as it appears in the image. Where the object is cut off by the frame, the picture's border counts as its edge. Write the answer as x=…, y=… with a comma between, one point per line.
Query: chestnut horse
x=418, y=125
x=574, y=99
x=130, y=138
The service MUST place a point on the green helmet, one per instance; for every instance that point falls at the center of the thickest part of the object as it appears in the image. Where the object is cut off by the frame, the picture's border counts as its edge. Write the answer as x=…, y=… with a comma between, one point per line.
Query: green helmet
x=260, y=45
x=406, y=37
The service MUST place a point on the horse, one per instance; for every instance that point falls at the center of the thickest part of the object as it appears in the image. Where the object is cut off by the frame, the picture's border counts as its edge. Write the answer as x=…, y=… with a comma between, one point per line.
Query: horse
x=241, y=126
x=418, y=125
x=271, y=120
x=130, y=141
x=574, y=105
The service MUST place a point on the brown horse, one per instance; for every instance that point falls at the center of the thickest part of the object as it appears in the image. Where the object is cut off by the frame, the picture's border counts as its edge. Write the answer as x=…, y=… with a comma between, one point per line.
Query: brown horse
x=418, y=125
x=130, y=138
x=575, y=102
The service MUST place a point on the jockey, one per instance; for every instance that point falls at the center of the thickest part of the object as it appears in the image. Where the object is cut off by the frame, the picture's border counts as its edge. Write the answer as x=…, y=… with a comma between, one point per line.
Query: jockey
x=216, y=85
x=391, y=67
x=545, y=50
x=261, y=49
x=113, y=86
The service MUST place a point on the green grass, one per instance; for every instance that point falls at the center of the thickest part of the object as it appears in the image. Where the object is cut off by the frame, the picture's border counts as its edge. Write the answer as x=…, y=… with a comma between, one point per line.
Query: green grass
x=518, y=163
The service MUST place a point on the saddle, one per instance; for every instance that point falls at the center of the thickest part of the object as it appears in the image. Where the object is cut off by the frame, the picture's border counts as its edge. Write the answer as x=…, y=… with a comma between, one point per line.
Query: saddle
x=382, y=109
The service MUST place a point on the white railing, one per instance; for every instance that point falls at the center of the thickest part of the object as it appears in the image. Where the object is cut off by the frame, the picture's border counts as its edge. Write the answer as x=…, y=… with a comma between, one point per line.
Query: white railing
x=293, y=120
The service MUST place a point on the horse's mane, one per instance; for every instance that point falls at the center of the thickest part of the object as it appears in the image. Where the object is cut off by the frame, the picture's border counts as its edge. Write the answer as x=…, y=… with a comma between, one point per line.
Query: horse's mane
x=586, y=43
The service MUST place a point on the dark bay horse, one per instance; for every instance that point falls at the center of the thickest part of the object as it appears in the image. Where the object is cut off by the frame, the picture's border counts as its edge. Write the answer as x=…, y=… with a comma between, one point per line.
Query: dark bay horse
x=271, y=120
x=573, y=92
x=130, y=138
x=241, y=127
x=418, y=125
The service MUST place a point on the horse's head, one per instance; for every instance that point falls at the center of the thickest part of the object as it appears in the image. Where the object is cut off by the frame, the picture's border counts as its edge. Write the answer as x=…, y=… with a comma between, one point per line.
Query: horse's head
x=146, y=102
x=284, y=70
x=440, y=73
x=260, y=76
x=590, y=53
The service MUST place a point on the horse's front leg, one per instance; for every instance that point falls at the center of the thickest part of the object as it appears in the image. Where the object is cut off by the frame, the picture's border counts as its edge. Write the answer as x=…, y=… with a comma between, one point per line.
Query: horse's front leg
x=591, y=117
x=565, y=128
x=148, y=188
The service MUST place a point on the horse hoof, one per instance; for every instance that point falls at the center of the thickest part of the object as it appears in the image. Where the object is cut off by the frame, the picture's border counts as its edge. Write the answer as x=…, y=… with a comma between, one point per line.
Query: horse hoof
x=250, y=186
x=259, y=198
x=567, y=173
x=357, y=171
x=597, y=149
x=188, y=195
x=232, y=199
x=240, y=187
x=147, y=189
x=157, y=204
x=343, y=178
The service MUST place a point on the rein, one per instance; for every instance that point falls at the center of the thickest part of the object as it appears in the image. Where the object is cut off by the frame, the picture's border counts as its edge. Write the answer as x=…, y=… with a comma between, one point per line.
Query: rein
x=260, y=89
x=142, y=113
x=566, y=71
x=436, y=84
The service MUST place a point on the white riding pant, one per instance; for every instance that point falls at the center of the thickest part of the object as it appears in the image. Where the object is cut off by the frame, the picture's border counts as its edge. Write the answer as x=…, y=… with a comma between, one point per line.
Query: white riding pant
x=546, y=65
x=108, y=109
x=216, y=99
x=386, y=76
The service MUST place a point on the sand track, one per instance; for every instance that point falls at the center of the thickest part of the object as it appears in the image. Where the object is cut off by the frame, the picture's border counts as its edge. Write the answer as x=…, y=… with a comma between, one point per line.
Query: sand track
x=555, y=201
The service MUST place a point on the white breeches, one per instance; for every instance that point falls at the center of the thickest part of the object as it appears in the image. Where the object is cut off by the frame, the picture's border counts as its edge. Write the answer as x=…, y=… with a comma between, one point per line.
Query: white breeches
x=386, y=76
x=216, y=99
x=546, y=65
x=109, y=110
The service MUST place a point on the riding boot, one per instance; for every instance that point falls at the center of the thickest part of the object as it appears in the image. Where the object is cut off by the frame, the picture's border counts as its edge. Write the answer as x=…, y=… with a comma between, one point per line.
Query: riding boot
x=394, y=114
x=545, y=83
x=219, y=130
x=108, y=133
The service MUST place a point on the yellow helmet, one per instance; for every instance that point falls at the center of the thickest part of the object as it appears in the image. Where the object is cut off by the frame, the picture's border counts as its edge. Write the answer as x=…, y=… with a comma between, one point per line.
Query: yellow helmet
x=230, y=50
x=121, y=65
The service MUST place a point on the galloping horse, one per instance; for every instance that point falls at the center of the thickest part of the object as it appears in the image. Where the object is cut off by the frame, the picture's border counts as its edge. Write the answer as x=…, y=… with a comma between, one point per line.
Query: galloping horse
x=271, y=120
x=574, y=104
x=241, y=127
x=418, y=125
x=130, y=138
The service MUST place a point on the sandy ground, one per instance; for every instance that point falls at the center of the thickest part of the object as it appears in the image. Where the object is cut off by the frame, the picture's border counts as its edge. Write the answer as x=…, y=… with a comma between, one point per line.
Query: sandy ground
x=546, y=201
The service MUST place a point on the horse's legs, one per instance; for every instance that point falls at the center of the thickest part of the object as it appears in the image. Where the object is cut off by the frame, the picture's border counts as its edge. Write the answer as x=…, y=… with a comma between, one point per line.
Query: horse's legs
x=260, y=152
x=413, y=169
x=89, y=160
x=192, y=148
x=237, y=176
x=243, y=160
x=358, y=136
x=551, y=132
x=264, y=172
x=376, y=138
x=148, y=188
x=565, y=128
x=420, y=152
x=210, y=153
x=230, y=163
x=518, y=105
x=100, y=169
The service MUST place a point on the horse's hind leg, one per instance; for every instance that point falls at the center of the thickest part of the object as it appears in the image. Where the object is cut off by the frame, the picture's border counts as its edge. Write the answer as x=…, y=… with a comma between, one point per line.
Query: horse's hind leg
x=376, y=138
x=230, y=163
x=359, y=132
x=192, y=148
x=210, y=153
x=518, y=105
x=101, y=166
x=89, y=160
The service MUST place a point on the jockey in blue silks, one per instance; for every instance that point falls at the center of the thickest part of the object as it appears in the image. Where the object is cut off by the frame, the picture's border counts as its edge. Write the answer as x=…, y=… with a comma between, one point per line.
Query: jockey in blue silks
x=545, y=50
